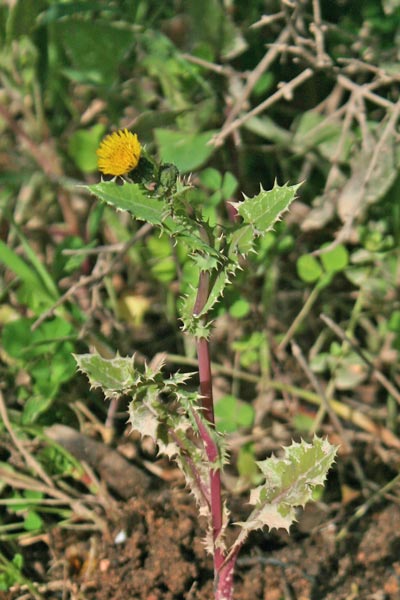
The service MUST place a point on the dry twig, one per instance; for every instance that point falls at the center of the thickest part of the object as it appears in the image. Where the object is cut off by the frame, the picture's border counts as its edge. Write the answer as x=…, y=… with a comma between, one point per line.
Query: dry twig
x=285, y=91
x=343, y=411
x=253, y=77
x=94, y=277
x=379, y=376
x=30, y=460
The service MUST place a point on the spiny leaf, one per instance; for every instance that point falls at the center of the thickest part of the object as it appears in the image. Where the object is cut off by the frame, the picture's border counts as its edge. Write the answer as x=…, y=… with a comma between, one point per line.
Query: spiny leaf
x=163, y=411
x=115, y=376
x=217, y=289
x=197, y=480
x=132, y=198
x=178, y=379
x=289, y=482
x=303, y=467
x=189, y=231
x=155, y=417
x=144, y=419
x=241, y=241
x=169, y=426
x=206, y=262
x=200, y=329
x=186, y=305
x=119, y=375
x=194, y=323
x=265, y=209
x=220, y=542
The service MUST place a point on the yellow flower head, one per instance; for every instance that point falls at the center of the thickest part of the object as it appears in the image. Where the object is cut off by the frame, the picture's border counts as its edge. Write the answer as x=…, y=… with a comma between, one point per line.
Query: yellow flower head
x=118, y=153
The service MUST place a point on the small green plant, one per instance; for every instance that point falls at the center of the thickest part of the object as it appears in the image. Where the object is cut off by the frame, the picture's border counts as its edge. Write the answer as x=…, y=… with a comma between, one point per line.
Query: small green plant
x=10, y=571
x=180, y=421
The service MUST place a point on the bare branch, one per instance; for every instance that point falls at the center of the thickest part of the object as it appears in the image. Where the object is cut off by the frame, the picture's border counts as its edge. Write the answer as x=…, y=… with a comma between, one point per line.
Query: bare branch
x=284, y=92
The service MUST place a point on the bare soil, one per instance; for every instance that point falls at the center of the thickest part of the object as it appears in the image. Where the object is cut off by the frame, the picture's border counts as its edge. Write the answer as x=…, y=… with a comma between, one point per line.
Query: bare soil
x=153, y=550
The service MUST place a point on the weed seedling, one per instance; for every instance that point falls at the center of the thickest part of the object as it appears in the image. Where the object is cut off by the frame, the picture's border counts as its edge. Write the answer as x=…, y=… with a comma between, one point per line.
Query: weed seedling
x=181, y=422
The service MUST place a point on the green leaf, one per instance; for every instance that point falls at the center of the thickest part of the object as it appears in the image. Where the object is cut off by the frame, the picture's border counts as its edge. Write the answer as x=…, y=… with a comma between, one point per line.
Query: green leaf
x=35, y=494
x=114, y=376
x=21, y=18
x=64, y=265
x=189, y=231
x=314, y=130
x=303, y=422
x=18, y=266
x=212, y=26
x=268, y=129
x=249, y=348
x=232, y=414
x=152, y=413
x=149, y=120
x=145, y=420
x=194, y=323
x=241, y=241
x=265, y=209
x=335, y=260
x=18, y=561
x=32, y=521
x=229, y=185
x=188, y=151
x=82, y=147
x=211, y=178
x=58, y=10
x=239, y=309
x=46, y=354
x=21, y=342
x=289, y=483
x=217, y=290
x=37, y=264
x=264, y=83
x=162, y=262
x=95, y=48
x=32, y=291
x=204, y=262
x=62, y=369
x=132, y=198
x=349, y=371
x=308, y=268
x=247, y=465
x=34, y=407
x=394, y=322
x=18, y=506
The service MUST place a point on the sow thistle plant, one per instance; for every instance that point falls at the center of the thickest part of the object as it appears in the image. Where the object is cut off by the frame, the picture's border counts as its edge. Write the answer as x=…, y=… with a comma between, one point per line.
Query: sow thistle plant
x=180, y=421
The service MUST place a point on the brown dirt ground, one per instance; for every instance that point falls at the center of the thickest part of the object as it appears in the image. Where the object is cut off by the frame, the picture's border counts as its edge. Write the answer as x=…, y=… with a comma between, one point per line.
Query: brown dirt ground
x=163, y=558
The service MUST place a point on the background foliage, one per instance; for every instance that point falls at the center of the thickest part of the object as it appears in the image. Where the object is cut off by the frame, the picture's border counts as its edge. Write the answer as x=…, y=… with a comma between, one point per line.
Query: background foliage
x=237, y=95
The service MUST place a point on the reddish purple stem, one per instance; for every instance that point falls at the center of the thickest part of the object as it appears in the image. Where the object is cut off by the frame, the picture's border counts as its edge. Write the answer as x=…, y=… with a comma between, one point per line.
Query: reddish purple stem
x=223, y=584
x=211, y=449
x=203, y=354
